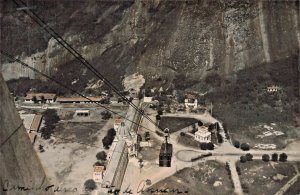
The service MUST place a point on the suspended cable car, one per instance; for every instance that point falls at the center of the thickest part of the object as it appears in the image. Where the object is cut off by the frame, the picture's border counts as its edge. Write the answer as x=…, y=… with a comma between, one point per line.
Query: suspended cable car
x=166, y=151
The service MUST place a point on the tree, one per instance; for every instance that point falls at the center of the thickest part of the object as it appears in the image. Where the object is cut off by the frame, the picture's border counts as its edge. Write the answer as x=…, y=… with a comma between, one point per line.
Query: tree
x=111, y=132
x=238, y=169
x=182, y=134
x=34, y=99
x=266, y=157
x=283, y=157
x=139, y=138
x=147, y=136
x=106, y=115
x=107, y=141
x=220, y=138
x=249, y=157
x=243, y=159
x=200, y=123
x=160, y=112
x=236, y=144
x=211, y=127
x=203, y=146
x=210, y=146
x=245, y=146
x=47, y=131
x=158, y=118
x=275, y=157
x=101, y=156
x=43, y=100
x=90, y=185
x=51, y=117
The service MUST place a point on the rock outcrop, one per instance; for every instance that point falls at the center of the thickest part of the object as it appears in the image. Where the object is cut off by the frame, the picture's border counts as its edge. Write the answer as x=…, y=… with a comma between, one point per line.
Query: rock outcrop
x=20, y=166
x=155, y=38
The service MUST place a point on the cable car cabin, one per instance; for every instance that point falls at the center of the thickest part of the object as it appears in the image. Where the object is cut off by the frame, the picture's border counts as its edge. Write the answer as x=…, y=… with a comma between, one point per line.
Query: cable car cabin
x=165, y=155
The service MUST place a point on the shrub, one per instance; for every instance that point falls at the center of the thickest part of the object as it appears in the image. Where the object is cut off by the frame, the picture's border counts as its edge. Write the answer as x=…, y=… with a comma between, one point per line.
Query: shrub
x=182, y=134
x=249, y=157
x=101, y=156
x=90, y=185
x=159, y=112
x=109, y=138
x=266, y=157
x=220, y=138
x=203, y=146
x=51, y=117
x=243, y=159
x=245, y=146
x=275, y=157
x=47, y=131
x=106, y=115
x=238, y=169
x=147, y=136
x=158, y=118
x=210, y=146
x=236, y=144
x=200, y=123
x=283, y=157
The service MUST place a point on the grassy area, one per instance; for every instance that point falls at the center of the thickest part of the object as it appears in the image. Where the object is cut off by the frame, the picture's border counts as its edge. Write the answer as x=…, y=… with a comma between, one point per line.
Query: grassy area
x=78, y=132
x=263, y=178
x=243, y=103
x=176, y=124
x=294, y=189
x=199, y=180
x=188, y=141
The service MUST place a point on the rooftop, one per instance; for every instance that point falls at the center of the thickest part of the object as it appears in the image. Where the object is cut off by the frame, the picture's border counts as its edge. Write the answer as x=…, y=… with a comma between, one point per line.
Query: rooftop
x=38, y=96
x=79, y=99
x=35, y=125
x=114, y=162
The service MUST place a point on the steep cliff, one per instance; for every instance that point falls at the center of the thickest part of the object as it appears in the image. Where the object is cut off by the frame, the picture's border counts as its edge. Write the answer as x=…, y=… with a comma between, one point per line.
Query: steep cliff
x=20, y=166
x=154, y=38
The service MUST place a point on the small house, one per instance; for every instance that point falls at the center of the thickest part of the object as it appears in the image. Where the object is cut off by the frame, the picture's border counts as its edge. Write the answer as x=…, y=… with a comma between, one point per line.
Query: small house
x=273, y=88
x=39, y=97
x=191, y=101
x=117, y=123
x=82, y=113
x=98, y=173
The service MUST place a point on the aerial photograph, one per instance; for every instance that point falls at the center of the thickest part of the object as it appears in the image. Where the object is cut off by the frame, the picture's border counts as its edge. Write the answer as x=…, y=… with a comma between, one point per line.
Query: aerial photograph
x=149, y=97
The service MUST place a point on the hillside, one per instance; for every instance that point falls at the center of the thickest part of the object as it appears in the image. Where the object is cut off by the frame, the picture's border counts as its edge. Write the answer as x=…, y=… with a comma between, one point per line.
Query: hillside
x=163, y=40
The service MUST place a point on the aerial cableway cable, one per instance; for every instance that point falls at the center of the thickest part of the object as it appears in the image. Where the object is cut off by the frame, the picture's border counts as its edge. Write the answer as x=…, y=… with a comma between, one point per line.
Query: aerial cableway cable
x=67, y=87
x=79, y=57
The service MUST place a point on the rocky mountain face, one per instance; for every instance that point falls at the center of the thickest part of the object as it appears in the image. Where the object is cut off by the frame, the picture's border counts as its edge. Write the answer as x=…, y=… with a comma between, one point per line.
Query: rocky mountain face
x=158, y=39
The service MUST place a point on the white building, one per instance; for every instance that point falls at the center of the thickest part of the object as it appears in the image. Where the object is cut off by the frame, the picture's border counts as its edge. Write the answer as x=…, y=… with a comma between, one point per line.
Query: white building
x=191, y=101
x=148, y=99
x=203, y=135
x=98, y=173
x=47, y=97
x=83, y=113
x=117, y=123
x=273, y=88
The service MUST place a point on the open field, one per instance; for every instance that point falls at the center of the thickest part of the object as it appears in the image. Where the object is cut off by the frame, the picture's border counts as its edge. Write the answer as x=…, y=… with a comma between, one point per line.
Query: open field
x=206, y=178
x=175, y=124
x=71, y=152
x=265, y=177
x=294, y=189
x=188, y=141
